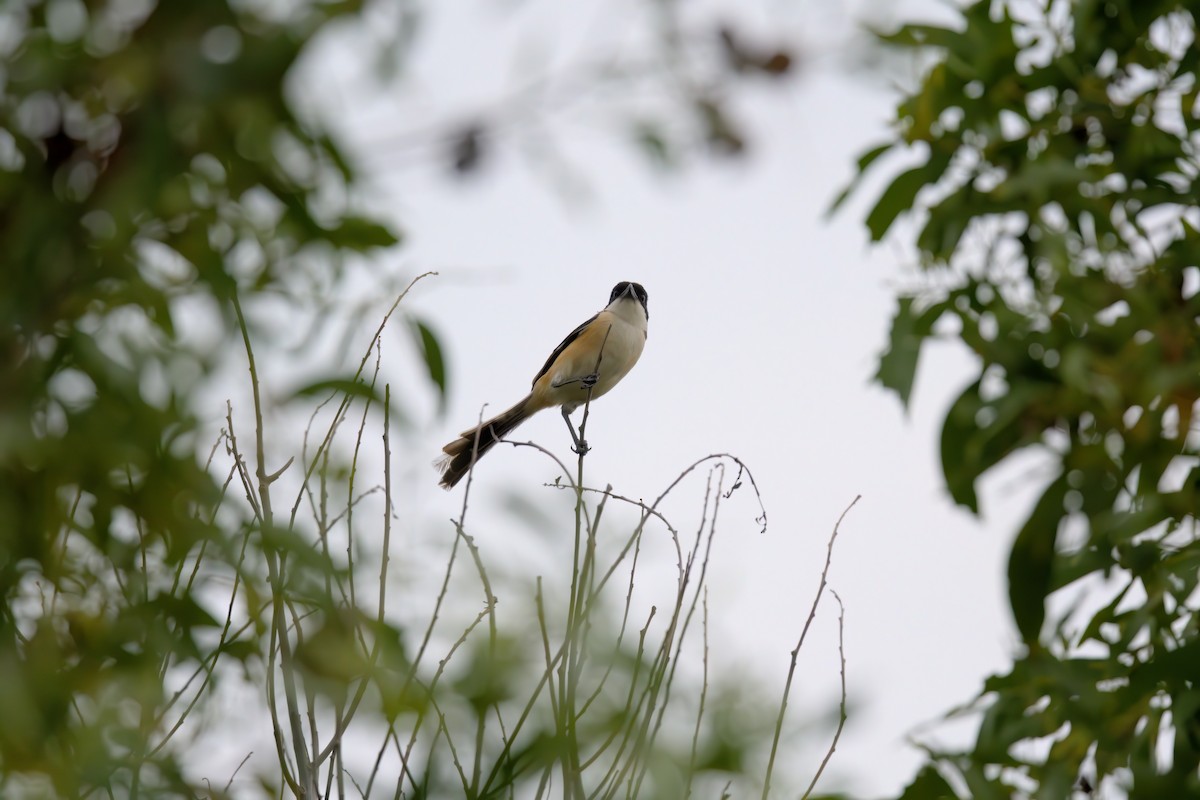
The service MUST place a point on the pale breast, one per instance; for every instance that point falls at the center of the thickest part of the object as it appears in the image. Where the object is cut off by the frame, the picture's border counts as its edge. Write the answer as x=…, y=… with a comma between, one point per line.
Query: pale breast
x=622, y=346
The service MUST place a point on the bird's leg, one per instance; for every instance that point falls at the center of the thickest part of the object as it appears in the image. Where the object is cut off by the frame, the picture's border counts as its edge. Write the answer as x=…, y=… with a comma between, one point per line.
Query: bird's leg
x=581, y=446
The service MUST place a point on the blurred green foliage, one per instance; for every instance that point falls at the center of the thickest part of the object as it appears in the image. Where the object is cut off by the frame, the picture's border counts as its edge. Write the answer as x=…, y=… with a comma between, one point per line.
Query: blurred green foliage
x=154, y=168
x=1053, y=205
x=133, y=138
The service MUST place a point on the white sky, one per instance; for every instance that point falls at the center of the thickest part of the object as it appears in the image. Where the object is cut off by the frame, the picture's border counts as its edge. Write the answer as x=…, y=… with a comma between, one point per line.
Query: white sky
x=766, y=320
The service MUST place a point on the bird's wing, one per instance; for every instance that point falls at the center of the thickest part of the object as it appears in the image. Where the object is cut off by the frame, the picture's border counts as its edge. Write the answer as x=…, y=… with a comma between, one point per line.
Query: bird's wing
x=572, y=336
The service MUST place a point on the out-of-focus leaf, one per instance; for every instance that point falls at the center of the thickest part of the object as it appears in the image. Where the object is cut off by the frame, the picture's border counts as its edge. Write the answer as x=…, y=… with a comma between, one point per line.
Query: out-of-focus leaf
x=1174, y=666
x=928, y=785
x=957, y=429
x=652, y=141
x=467, y=149
x=1030, y=564
x=972, y=446
x=920, y=36
x=185, y=611
x=491, y=674
x=901, y=193
x=864, y=162
x=898, y=364
x=743, y=58
x=947, y=222
x=1082, y=314
x=333, y=651
x=241, y=649
x=350, y=387
x=431, y=354
x=721, y=132
x=361, y=233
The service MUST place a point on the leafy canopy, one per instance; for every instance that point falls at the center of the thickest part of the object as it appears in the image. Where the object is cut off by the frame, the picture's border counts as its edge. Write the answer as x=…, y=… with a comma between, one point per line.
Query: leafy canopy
x=1053, y=209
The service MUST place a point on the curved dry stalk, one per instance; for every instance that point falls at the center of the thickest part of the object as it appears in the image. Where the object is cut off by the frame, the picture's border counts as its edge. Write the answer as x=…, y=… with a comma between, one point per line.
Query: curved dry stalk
x=207, y=669
x=608, y=492
x=305, y=778
x=665, y=674
x=700, y=711
x=600, y=684
x=837, y=734
x=541, y=617
x=646, y=514
x=812, y=613
x=437, y=676
x=616, y=770
x=327, y=440
x=648, y=695
x=344, y=716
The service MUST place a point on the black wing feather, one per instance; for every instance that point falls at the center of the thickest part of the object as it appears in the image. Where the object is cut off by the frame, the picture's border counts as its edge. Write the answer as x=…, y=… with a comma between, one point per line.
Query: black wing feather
x=572, y=336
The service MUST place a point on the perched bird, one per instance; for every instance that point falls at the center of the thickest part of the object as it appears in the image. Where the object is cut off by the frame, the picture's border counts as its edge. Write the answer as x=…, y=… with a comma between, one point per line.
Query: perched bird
x=594, y=356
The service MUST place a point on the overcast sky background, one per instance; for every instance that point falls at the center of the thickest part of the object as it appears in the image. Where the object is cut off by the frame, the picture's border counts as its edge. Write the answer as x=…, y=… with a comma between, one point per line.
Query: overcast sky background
x=766, y=321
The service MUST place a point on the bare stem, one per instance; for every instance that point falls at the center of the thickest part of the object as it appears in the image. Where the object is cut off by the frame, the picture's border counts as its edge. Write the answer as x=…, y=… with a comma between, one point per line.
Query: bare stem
x=703, y=697
x=305, y=773
x=837, y=734
x=812, y=613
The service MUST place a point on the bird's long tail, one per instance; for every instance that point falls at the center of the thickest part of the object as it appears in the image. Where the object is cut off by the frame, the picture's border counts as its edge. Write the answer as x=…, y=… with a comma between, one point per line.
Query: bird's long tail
x=470, y=446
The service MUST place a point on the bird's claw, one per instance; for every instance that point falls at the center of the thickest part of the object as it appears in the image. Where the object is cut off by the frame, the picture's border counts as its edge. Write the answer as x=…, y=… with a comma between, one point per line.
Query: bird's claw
x=581, y=448
x=589, y=381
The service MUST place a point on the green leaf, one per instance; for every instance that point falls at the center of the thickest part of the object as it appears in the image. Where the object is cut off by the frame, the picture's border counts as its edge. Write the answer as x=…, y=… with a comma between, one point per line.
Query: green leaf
x=1039, y=182
x=350, y=387
x=928, y=785
x=970, y=448
x=241, y=649
x=332, y=650
x=1004, y=723
x=185, y=610
x=901, y=193
x=920, y=36
x=958, y=427
x=898, y=364
x=1072, y=567
x=864, y=162
x=435, y=362
x=1031, y=562
x=652, y=141
x=948, y=221
x=360, y=233
x=1174, y=667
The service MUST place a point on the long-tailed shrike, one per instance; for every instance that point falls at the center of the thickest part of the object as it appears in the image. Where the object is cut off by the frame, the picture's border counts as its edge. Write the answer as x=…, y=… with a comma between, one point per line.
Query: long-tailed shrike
x=594, y=356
